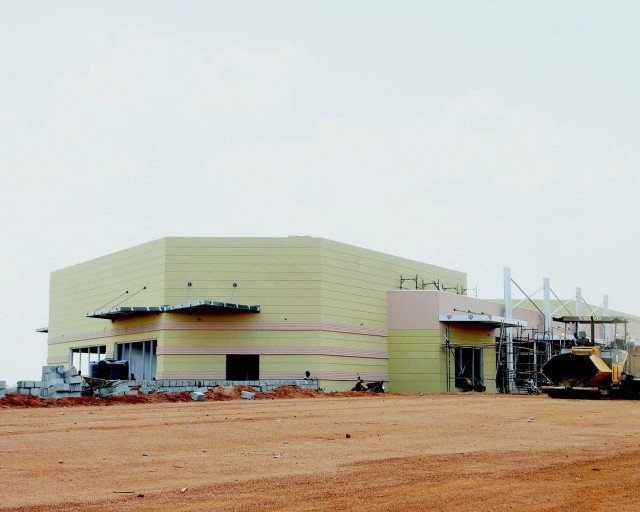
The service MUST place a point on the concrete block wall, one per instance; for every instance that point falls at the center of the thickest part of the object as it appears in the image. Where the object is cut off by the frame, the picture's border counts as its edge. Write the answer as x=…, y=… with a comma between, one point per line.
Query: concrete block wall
x=58, y=383
x=132, y=387
x=178, y=386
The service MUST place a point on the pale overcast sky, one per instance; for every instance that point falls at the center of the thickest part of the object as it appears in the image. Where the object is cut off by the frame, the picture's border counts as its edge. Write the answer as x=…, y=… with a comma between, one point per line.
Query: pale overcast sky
x=469, y=134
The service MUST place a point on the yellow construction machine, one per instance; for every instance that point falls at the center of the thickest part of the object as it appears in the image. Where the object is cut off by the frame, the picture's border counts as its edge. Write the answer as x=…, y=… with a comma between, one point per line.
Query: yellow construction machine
x=589, y=370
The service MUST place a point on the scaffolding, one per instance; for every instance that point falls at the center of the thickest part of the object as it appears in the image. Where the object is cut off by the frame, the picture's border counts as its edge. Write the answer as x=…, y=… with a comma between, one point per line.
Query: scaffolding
x=531, y=349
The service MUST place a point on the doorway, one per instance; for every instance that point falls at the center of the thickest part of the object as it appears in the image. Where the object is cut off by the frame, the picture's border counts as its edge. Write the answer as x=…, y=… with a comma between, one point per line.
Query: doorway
x=468, y=366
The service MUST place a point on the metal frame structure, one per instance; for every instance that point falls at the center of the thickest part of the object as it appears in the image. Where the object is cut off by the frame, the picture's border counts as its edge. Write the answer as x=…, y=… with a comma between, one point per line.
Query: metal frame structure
x=552, y=344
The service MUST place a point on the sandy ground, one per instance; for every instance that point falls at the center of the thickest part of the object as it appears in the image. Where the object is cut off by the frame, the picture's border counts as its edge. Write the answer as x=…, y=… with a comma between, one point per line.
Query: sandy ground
x=471, y=452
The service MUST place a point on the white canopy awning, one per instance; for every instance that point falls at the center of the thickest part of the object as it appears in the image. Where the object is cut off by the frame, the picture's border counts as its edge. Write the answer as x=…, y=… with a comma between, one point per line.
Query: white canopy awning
x=488, y=320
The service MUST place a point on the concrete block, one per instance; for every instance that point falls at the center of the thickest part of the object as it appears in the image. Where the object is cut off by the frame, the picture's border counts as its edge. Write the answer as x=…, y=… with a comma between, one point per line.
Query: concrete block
x=76, y=379
x=24, y=391
x=197, y=396
x=65, y=394
x=71, y=372
x=34, y=391
x=3, y=392
x=131, y=392
x=3, y=384
x=52, y=380
x=53, y=388
x=247, y=395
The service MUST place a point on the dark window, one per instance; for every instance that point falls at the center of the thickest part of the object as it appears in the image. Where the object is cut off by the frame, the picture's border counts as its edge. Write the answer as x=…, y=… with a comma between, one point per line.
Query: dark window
x=243, y=367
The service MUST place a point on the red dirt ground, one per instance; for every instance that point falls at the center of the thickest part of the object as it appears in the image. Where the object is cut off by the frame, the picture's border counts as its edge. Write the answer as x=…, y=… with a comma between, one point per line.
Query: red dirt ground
x=470, y=452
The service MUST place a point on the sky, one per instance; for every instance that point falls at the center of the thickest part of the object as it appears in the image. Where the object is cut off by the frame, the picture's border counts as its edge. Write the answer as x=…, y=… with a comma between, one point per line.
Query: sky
x=474, y=135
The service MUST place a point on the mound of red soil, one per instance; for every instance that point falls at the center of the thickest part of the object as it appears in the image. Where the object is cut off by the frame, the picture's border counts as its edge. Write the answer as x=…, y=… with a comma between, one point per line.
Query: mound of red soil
x=217, y=394
x=14, y=400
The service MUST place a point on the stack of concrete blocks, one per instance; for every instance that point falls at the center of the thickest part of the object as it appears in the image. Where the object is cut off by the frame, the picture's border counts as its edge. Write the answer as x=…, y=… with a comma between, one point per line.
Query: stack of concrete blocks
x=3, y=388
x=29, y=387
x=58, y=383
x=55, y=383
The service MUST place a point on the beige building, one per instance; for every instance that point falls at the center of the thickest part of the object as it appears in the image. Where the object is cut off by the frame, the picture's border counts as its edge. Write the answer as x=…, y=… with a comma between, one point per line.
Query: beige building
x=257, y=309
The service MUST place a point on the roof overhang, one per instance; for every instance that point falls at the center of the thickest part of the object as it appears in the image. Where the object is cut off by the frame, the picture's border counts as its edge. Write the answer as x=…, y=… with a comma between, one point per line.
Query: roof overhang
x=492, y=321
x=211, y=305
x=200, y=305
x=121, y=311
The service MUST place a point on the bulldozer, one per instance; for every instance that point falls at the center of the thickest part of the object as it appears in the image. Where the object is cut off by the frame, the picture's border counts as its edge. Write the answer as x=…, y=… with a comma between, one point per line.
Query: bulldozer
x=588, y=370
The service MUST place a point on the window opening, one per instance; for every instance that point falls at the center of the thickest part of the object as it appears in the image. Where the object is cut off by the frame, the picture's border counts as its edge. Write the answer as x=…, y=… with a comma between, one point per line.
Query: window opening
x=243, y=367
x=82, y=356
x=141, y=356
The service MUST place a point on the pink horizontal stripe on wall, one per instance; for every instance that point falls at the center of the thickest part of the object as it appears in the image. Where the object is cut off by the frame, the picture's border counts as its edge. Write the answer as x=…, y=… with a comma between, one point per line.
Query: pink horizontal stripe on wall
x=191, y=375
x=277, y=350
x=272, y=326
x=344, y=376
x=348, y=376
x=220, y=326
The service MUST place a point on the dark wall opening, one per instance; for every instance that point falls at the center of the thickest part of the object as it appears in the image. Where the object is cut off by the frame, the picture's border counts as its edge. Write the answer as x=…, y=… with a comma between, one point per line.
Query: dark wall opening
x=243, y=367
x=468, y=362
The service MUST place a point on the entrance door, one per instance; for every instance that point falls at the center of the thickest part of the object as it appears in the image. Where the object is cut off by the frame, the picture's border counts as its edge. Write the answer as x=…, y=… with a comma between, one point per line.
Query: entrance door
x=468, y=363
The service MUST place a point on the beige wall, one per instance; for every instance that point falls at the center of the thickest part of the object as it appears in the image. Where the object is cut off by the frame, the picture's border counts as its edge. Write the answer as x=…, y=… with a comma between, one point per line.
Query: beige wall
x=323, y=305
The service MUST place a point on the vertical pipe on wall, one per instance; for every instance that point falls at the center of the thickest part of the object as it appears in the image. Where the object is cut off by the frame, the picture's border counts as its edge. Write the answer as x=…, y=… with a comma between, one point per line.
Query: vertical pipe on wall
x=447, y=349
